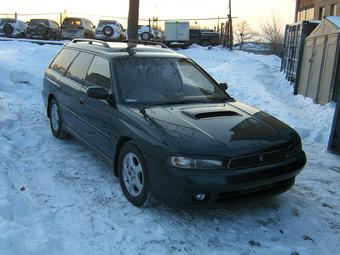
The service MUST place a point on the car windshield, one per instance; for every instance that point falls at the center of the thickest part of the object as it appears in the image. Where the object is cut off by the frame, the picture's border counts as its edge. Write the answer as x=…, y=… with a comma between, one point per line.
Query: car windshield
x=165, y=81
x=36, y=22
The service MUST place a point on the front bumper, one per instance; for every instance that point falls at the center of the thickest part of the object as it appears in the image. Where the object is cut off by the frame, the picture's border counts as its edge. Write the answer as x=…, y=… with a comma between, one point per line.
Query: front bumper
x=180, y=186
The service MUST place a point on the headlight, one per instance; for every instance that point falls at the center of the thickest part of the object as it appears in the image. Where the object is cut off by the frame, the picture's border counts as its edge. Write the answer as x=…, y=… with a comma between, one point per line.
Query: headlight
x=191, y=163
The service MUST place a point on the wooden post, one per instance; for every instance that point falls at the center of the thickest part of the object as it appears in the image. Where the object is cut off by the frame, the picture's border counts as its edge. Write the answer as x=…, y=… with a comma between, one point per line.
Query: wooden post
x=221, y=33
x=60, y=18
x=149, y=29
x=133, y=20
x=230, y=22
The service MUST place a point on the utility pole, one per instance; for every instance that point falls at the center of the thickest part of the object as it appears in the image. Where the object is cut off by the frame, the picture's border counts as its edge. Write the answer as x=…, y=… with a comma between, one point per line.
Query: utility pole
x=133, y=20
x=230, y=35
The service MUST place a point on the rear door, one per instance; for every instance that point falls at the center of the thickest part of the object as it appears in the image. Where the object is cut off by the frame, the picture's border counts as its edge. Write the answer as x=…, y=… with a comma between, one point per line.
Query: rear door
x=74, y=86
x=59, y=87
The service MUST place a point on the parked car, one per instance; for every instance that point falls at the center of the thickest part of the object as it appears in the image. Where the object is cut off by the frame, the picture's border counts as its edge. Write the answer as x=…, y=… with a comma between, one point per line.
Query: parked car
x=12, y=27
x=77, y=27
x=169, y=130
x=145, y=32
x=110, y=30
x=159, y=35
x=204, y=37
x=43, y=29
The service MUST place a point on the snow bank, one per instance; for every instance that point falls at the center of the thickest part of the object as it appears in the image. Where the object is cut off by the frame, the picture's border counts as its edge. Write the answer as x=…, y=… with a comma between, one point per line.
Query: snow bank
x=57, y=197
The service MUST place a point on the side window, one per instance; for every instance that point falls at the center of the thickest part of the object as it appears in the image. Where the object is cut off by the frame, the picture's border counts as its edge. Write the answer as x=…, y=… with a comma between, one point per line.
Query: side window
x=63, y=60
x=79, y=67
x=99, y=72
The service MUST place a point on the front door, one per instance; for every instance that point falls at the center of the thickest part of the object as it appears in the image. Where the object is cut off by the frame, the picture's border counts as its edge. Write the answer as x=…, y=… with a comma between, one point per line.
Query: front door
x=98, y=115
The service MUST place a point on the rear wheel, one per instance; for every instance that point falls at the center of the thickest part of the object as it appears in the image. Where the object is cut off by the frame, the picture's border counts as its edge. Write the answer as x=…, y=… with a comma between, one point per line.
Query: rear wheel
x=133, y=175
x=145, y=36
x=56, y=122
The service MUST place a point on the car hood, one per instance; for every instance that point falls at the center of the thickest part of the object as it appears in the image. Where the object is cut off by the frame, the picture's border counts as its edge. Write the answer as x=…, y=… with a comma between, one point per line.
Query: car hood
x=230, y=129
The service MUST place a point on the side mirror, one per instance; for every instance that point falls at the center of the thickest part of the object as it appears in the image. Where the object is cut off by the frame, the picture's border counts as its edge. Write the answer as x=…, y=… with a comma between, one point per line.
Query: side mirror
x=97, y=92
x=224, y=86
x=94, y=27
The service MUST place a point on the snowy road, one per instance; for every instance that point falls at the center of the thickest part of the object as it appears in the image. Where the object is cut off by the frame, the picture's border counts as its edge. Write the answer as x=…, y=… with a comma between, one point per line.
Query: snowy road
x=57, y=197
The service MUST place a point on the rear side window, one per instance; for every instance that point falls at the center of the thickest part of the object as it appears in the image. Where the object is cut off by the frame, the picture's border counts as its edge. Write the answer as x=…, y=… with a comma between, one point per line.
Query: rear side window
x=99, y=72
x=79, y=67
x=63, y=60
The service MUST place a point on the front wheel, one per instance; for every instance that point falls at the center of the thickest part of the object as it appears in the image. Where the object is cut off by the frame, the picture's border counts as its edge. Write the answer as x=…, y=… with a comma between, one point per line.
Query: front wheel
x=133, y=175
x=56, y=122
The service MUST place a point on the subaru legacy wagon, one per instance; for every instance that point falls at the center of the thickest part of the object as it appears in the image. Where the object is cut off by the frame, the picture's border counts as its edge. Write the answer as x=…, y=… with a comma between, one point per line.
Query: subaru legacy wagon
x=169, y=130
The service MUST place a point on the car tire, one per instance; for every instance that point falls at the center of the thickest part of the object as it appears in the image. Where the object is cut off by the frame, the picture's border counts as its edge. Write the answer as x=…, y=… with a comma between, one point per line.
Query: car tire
x=145, y=36
x=108, y=31
x=8, y=29
x=56, y=120
x=133, y=175
x=53, y=36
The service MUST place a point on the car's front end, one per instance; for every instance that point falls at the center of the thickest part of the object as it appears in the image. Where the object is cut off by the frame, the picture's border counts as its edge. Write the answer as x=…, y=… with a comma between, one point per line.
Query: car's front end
x=196, y=180
x=209, y=160
x=38, y=29
x=210, y=147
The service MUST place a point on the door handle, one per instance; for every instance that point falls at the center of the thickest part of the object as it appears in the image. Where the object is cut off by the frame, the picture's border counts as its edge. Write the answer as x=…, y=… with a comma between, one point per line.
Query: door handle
x=81, y=101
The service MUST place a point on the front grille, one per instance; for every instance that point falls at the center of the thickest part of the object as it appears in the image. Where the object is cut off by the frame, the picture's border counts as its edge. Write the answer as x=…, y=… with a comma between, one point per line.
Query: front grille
x=258, y=159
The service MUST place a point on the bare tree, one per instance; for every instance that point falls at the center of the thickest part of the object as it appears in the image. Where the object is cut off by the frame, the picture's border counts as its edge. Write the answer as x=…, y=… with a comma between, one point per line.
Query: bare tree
x=244, y=33
x=272, y=33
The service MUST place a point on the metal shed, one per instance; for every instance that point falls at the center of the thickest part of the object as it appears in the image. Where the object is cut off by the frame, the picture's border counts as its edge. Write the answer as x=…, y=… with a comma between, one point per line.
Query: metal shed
x=295, y=35
x=319, y=69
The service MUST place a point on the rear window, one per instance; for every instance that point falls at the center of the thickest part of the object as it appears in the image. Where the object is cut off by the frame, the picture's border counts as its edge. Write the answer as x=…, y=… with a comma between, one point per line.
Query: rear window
x=79, y=67
x=72, y=22
x=63, y=60
x=99, y=72
x=36, y=22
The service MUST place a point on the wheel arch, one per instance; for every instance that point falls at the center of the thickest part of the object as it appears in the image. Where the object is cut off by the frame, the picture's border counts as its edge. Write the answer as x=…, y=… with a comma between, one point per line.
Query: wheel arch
x=122, y=140
x=50, y=97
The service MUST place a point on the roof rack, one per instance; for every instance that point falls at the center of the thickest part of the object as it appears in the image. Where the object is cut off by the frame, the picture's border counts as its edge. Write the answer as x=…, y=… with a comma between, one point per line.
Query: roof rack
x=145, y=42
x=91, y=41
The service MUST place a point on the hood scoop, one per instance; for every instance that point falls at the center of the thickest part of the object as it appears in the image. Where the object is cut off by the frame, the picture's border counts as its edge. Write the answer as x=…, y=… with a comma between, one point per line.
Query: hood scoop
x=207, y=113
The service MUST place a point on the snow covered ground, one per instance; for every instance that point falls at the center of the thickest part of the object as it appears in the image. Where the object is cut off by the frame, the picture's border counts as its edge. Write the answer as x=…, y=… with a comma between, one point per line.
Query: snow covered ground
x=57, y=197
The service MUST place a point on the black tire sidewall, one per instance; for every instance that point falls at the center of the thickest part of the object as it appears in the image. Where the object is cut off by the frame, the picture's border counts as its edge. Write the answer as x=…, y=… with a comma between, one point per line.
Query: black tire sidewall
x=8, y=29
x=111, y=29
x=148, y=36
x=142, y=197
x=57, y=133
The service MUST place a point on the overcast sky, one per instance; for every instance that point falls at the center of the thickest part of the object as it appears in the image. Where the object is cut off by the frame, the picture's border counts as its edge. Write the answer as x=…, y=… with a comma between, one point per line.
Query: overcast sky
x=253, y=11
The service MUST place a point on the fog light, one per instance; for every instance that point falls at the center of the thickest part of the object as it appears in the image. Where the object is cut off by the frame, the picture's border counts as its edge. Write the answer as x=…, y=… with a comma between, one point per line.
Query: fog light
x=200, y=197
